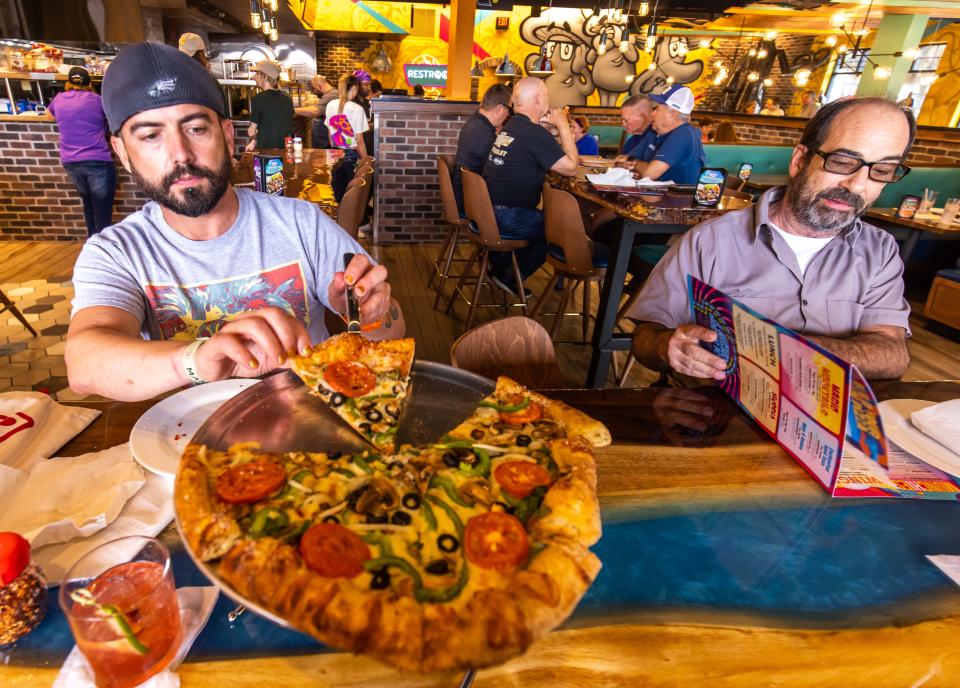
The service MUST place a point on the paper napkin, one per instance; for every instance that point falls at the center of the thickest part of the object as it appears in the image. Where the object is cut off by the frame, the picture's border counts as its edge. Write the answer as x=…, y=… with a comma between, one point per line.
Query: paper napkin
x=146, y=513
x=66, y=498
x=940, y=422
x=195, y=607
x=618, y=176
x=33, y=426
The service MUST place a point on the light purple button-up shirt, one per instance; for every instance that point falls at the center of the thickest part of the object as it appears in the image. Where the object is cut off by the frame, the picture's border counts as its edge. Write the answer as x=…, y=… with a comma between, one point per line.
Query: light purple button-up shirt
x=854, y=282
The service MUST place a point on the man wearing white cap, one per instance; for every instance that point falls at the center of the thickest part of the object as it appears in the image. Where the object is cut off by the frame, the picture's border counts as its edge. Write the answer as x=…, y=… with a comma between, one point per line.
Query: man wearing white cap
x=679, y=156
x=192, y=45
x=271, y=111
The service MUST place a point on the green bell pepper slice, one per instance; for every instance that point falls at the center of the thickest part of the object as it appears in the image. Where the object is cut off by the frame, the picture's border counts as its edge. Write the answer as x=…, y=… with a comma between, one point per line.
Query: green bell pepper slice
x=507, y=408
x=268, y=521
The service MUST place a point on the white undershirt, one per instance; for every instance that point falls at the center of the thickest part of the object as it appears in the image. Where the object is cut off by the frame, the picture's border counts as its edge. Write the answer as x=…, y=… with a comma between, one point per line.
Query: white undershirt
x=805, y=248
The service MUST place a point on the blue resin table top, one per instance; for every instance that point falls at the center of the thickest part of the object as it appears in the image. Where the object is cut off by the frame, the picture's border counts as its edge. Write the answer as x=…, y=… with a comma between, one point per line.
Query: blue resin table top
x=706, y=524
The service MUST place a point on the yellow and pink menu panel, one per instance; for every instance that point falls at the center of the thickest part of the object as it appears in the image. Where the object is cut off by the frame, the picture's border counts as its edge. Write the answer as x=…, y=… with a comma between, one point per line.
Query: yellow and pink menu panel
x=818, y=407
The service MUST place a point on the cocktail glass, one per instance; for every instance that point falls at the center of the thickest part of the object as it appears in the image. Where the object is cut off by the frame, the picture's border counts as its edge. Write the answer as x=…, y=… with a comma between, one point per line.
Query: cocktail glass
x=124, y=616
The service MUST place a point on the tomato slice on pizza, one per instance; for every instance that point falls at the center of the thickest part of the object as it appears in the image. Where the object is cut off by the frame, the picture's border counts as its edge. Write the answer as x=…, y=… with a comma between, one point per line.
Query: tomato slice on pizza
x=364, y=382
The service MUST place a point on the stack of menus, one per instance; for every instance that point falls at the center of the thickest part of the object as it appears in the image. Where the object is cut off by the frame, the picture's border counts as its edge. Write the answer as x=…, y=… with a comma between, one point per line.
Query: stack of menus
x=819, y=408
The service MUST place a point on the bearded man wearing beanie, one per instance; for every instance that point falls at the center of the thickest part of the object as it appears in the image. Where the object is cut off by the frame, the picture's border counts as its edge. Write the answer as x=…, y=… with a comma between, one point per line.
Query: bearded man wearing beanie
x=207, y=281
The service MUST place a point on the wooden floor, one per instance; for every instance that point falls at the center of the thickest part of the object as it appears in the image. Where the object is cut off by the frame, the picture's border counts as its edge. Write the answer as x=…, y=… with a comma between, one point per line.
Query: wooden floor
x=934, y=357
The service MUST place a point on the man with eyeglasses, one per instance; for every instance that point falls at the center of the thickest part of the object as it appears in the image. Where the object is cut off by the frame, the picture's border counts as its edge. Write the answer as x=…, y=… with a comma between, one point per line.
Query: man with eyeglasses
x=801, y=256
x=477, y=136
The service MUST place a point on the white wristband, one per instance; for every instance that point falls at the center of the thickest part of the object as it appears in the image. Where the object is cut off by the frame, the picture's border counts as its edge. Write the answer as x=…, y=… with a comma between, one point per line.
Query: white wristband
x=190, y=361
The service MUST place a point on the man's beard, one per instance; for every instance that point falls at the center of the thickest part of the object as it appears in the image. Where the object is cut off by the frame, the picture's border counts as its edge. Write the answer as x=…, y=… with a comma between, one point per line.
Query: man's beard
x=196, y=200
x=805, y=207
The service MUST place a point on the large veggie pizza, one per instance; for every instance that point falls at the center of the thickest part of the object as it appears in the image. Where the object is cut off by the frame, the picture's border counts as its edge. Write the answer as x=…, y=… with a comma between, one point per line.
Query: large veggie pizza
x=450, y=555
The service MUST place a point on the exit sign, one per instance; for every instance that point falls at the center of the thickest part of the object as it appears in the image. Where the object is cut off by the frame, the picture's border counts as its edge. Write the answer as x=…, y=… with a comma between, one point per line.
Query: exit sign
x=503, y=23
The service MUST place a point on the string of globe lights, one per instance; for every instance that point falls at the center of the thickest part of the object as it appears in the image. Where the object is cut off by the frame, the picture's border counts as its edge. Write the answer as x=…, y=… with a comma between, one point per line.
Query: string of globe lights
x=263, y=17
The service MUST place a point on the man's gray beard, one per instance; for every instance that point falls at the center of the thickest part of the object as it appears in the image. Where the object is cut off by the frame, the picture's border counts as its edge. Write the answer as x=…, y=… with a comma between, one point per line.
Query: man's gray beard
x=196, y=201
x=804, y=206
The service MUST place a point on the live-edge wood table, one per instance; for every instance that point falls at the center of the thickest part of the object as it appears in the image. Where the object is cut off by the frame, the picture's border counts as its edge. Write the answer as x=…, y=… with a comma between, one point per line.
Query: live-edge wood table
x=724, y=565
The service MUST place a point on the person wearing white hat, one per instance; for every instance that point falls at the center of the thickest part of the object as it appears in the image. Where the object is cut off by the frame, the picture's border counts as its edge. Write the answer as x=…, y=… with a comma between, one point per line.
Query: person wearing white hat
x=192, y=45
x=679, y=156
x=271, y=110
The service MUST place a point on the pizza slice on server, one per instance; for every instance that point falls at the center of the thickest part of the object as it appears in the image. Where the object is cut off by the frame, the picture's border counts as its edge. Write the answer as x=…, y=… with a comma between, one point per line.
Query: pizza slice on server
x=364, y=382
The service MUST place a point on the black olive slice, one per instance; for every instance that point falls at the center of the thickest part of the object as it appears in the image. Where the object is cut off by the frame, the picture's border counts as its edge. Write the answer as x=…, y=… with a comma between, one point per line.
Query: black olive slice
x=401, y=518
x=330, y=518
x=337, y=399
x=381, y=579
x=411, y=500
x=374, y=416
x=448, y=543
x=451, y=459
x=524, y=440
x=478, y=433
x=377, y=518
x=440, y=567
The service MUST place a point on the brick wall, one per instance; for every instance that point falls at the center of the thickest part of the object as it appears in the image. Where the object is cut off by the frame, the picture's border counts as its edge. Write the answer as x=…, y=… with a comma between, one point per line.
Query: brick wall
x=335, y=56
x=37, y=198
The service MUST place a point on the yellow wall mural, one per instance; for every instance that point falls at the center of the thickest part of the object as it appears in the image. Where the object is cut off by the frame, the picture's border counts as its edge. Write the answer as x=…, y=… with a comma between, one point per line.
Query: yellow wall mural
x=941, y=107
x=572, y=37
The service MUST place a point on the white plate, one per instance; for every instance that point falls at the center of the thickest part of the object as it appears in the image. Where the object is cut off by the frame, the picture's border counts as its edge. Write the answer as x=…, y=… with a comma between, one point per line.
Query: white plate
x=895, y=414
x=161, y=434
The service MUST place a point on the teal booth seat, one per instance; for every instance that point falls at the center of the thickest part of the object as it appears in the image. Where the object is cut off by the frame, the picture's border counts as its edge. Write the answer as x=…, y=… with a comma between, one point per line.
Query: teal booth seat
x=946, y=180
x=608, y=136
x=765, y=159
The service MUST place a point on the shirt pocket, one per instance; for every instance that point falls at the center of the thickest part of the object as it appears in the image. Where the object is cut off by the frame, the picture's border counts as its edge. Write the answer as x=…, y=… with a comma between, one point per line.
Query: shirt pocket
x=763, y=305
x=843, y=317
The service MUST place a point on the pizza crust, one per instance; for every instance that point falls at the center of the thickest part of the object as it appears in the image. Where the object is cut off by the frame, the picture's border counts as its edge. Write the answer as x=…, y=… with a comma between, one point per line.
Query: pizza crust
x=574, y=512
x=206, y=523
x=576, y=423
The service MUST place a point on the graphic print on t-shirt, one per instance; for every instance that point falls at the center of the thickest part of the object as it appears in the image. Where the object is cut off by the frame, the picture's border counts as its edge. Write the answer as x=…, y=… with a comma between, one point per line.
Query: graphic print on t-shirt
x=500, y=145
x=200, y=310
x=341, y=132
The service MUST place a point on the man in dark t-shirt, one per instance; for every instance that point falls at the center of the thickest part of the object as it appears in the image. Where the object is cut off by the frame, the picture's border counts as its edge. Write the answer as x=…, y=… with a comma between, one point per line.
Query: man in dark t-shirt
x=478, y=134
x=519, y=160
x=271, y=111
x=636, y=114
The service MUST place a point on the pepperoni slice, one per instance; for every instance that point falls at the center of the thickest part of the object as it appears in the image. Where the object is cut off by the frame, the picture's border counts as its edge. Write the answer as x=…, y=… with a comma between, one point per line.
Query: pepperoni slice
x=250, y=482
x=350, y=378
x=531, y=414
x=333, y=551
x=519, y=478
x=496, y=540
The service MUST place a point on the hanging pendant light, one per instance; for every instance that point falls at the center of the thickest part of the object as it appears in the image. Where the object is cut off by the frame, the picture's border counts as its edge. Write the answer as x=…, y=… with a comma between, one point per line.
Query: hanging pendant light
x=544, y=65
x=506, y=67
x=651, y=41
x=255, y=19
x=274, y=34
x=476, y=72
x=381, y=61
x=602, y=46
x=625, y=40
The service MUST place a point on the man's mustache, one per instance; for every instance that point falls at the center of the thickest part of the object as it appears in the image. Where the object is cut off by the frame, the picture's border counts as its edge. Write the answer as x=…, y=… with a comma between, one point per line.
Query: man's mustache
x=186, y=170
x=843, y=196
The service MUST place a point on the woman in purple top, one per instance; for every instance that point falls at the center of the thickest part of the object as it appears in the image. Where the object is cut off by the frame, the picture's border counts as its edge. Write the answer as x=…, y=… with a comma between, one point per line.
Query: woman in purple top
x=84, y=150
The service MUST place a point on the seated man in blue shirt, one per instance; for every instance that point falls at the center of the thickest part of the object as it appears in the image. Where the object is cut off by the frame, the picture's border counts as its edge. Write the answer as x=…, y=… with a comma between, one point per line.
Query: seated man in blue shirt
x=636, y=114
x=679, y=156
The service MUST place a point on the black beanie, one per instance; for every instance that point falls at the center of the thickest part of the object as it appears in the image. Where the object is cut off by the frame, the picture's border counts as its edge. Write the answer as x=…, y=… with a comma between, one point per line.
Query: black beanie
x=146, y=76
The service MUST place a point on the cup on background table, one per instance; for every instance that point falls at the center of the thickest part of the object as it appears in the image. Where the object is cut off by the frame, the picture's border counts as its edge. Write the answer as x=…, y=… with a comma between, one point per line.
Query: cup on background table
x=951, y=210
x=124, y=615
x=927, y=201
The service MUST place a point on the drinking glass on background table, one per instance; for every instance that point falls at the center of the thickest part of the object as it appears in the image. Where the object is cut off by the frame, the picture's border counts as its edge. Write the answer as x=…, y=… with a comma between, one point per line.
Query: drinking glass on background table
x=124, y=616
x=950, y=212
x=927, y=201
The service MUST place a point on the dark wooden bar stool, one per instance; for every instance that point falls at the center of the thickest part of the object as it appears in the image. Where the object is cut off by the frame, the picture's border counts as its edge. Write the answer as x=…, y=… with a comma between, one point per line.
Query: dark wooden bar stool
x=571, y=254
x=451, y=215
x=517, y=347
x=485, y=236
x=7, y=305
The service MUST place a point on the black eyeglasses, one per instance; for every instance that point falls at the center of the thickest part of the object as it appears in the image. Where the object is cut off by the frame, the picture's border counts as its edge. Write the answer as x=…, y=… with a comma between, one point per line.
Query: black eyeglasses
x=842, y=163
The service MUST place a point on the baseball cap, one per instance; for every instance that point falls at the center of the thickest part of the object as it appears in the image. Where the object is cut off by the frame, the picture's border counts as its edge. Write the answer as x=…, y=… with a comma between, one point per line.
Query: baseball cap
x=147, y=76
x=78, y=76
x=678, y=97
x=191, y=43
x=268, y=68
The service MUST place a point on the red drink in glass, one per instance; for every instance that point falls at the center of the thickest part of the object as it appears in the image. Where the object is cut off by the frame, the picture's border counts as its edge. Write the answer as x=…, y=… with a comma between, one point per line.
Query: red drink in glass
x=126, y=619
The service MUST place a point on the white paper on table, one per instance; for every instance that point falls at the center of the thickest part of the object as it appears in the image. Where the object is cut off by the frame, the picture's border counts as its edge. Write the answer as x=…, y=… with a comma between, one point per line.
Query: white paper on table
x=948, y=563
x=940, y=422
x=65, y=498
x=147, y=513
x=619, y=176
x=33, y=426
x=195, y=607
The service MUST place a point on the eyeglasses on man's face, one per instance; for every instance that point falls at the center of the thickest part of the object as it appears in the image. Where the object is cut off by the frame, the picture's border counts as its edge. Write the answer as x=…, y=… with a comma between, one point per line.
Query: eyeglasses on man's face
x=846, y=164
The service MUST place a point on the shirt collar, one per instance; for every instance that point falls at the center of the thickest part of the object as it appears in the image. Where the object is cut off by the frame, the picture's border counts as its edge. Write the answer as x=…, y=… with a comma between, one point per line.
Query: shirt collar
x=762, y=216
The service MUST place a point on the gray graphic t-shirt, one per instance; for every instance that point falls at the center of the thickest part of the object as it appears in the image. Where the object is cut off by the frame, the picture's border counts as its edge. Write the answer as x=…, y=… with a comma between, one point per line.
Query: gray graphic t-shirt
x=280, y=252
